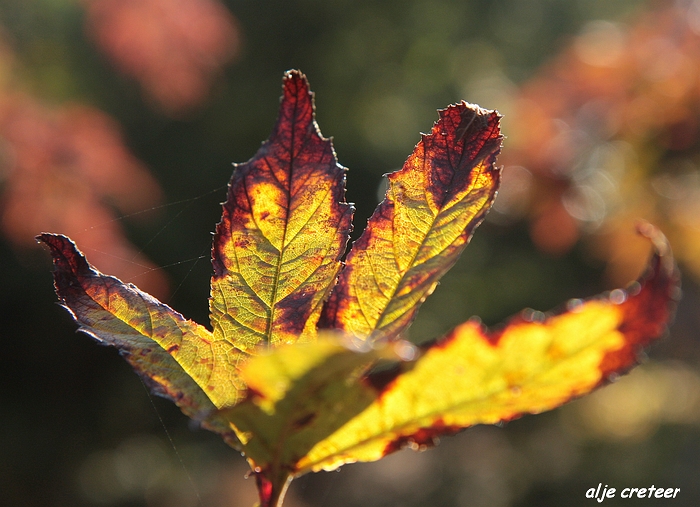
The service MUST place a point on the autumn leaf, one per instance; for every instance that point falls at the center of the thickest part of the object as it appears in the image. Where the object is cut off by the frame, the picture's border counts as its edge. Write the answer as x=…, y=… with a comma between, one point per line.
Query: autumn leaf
x=174, y=356
x=470, y=376
x=284, y=229
x=296, y=399
x=276, y=255
x=416, y=234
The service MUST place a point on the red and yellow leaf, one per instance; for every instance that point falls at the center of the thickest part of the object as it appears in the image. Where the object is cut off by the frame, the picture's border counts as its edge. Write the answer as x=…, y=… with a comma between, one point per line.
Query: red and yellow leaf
x=177, y=358
x=297, y=396
x=276, y=255
x=284, y=229
x=416, y=234
x=305, y=403
x=470, y=376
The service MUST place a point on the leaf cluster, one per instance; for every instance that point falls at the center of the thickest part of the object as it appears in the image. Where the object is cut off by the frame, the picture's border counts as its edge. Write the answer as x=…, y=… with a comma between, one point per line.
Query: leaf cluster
x=304, y=367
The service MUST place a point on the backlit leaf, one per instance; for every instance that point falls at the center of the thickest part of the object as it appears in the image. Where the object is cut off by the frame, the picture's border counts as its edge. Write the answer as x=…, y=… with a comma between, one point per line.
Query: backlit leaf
x=416, y=234
x=297, y=401
x=177, y=358
x=297, y=396
x=276, y=255
x=470, y=376
x=284, y=228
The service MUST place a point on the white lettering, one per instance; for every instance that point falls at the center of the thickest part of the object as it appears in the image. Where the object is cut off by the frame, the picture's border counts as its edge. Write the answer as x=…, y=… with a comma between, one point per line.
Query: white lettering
x=603, y=491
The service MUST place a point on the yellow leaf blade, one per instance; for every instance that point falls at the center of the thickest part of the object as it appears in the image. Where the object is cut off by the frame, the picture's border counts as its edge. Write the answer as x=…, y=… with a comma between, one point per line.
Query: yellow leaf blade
x=298, y=395
x=470, y=376
x=284, y=227
x=416, y=234
x=177, y=358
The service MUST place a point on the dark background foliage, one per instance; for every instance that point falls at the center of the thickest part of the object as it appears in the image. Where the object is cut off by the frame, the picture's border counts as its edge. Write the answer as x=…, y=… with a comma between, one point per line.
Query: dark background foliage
x=168, y=102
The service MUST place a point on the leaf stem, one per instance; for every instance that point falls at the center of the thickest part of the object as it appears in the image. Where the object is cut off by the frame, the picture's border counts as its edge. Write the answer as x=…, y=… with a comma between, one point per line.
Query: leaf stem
x=271, y=492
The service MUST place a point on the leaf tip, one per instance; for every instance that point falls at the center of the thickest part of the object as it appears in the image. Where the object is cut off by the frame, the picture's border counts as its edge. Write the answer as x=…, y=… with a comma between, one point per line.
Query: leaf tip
x=51, y=240
x=661, y=246
x=68, y=261
x=296, y=84
x=648, y=304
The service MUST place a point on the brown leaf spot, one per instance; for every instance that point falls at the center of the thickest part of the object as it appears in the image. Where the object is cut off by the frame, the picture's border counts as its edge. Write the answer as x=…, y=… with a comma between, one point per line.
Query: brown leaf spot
x=423, y=438
x=294, y=312
x=380, y=380
x=303, y=421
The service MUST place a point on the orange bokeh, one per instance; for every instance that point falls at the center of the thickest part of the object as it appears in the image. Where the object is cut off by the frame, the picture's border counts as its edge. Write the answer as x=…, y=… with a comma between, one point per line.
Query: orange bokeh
x=173, y=48
x=597, y=127
x=65, y=170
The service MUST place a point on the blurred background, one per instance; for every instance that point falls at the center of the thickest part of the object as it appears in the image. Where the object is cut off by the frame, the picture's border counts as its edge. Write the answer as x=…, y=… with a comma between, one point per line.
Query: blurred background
x=119, y=120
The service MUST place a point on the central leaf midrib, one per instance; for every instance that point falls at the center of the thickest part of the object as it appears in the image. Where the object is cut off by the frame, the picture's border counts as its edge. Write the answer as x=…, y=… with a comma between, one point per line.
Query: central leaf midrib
x=278, y=268
x=378, y=324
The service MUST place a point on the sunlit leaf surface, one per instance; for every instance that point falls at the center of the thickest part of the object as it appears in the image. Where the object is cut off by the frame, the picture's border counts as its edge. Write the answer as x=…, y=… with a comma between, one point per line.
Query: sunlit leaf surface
x=416, y=234
x=471, y=376
x=177, y=358
x=284, y=228
x=297, y=396
x=297, y=401
x=276, y=255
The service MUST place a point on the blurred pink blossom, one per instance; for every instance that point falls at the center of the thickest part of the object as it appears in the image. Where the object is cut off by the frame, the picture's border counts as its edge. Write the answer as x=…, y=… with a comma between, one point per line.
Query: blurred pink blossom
x=173, y=48
x=62, y=171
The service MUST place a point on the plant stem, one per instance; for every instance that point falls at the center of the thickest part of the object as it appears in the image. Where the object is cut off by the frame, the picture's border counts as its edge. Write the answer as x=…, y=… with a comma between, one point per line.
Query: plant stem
x=272, y=492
